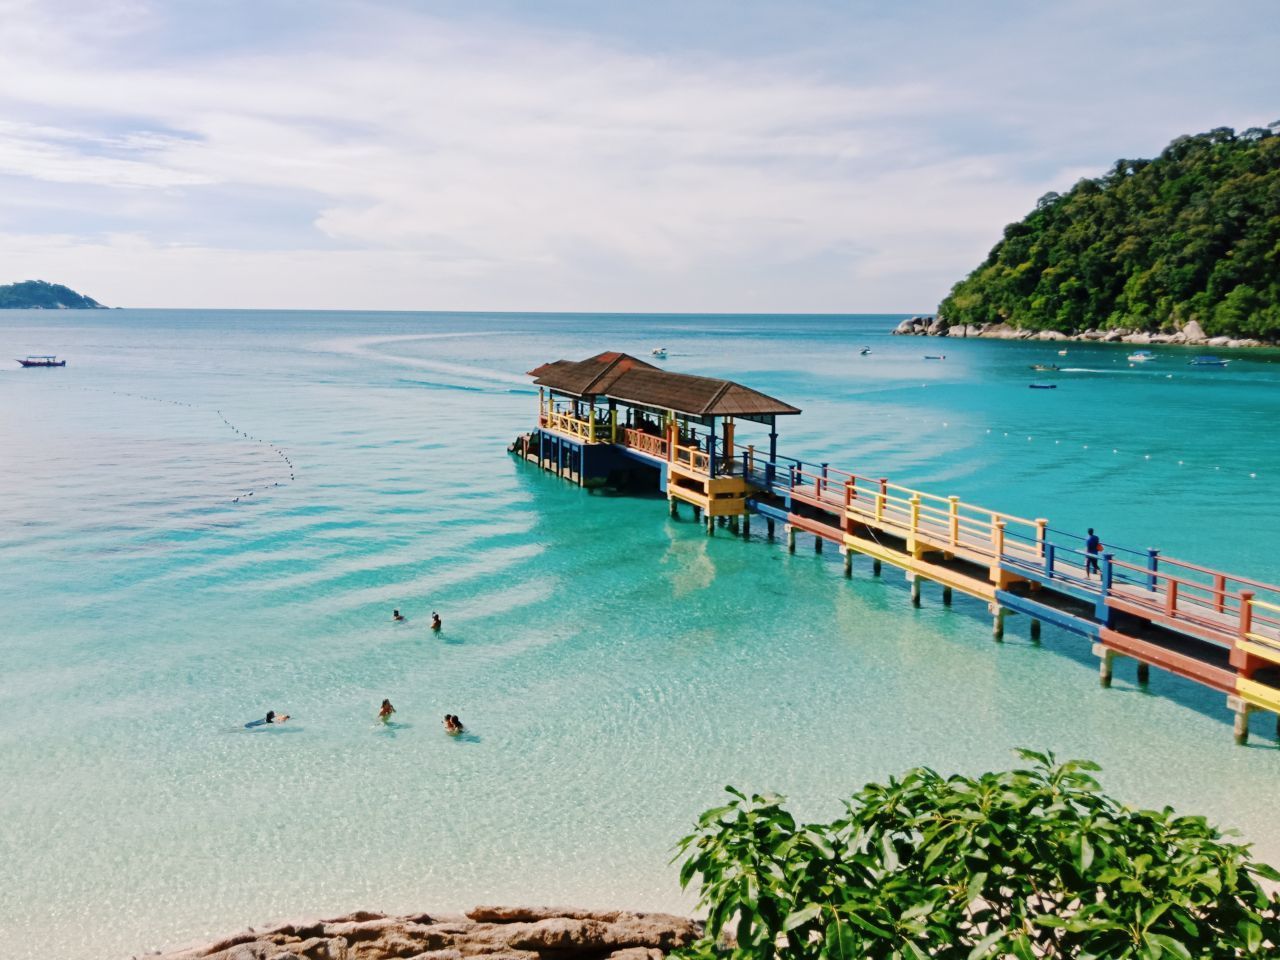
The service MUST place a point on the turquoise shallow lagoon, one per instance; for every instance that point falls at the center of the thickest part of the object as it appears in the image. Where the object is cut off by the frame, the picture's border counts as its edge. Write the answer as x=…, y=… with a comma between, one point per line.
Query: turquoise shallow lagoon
x=616, y=668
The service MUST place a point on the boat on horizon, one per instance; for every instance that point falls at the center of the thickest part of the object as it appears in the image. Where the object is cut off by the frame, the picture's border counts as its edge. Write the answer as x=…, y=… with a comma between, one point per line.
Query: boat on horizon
x=1207, y=361
x=1043, y=386
x=658, y=353
x=864, y=351
x=43, y=360
x=1141, y=356
x=1044, y=367
x=935, y=356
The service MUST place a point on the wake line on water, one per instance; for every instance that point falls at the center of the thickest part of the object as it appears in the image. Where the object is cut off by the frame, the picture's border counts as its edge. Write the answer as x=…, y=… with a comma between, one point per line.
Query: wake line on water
x=362, y=347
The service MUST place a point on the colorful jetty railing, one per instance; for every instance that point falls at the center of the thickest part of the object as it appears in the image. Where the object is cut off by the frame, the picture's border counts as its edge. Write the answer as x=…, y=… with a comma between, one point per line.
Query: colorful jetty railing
x=1209, y=626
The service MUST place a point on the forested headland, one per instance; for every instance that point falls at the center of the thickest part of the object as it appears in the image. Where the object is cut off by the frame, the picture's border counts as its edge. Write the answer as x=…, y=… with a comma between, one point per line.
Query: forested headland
x=1192, y=235
x=40, y=295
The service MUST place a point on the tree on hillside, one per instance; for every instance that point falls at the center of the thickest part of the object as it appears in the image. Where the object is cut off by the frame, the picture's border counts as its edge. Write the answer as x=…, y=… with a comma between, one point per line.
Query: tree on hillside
x=1191, y=235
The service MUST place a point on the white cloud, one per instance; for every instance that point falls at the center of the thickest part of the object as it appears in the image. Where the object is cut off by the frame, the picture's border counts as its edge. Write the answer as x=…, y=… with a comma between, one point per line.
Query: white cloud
x=459, y=164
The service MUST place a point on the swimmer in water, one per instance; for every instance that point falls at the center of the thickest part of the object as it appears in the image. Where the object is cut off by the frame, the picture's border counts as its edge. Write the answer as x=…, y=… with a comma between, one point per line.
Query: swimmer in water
x=452, y=725
x=396, y=616
x=436, y=622
x=270, y=718
x=387, y=710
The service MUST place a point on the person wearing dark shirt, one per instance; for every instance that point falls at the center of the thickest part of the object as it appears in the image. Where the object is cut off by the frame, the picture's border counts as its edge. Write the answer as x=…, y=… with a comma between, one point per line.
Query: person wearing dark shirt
x=1092, y=547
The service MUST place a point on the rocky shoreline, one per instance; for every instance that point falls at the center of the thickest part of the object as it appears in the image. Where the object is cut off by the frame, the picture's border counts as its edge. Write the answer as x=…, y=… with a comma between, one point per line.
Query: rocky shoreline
x=1191, y=335
x=498, y=933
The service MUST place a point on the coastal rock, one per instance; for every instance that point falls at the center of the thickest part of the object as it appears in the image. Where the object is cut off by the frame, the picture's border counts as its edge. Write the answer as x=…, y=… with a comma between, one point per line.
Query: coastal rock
x=1218, y=341
x=938, y=328
x=493, y=933
x=1051, y=335
x=1140, y=337
x=1193, y=331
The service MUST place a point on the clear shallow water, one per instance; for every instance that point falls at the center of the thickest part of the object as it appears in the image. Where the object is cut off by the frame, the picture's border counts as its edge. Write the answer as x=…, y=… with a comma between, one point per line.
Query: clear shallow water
x=616, y=668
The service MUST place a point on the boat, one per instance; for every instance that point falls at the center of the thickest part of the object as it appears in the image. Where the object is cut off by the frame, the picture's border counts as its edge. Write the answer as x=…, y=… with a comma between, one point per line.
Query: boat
x=658, y=353
x=1043, y=386
x=864, y=351
x=1044, y=366
x=1141, y=356
x=1062, y=353
x=42, y=361
x=1207, y=361
x=936, y=357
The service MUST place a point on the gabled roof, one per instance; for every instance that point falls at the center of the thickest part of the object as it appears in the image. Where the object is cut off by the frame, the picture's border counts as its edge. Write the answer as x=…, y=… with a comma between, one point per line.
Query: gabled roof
x=620, y=376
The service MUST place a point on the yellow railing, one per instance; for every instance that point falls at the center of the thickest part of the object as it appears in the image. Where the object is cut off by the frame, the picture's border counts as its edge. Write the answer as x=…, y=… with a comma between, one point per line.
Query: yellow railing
x=693, y=458
x=567, y=424
x=1262, y=627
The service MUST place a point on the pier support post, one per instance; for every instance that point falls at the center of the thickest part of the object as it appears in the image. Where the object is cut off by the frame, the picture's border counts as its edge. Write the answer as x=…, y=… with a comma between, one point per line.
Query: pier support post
x=946, y=596
x=848, y=563
x=733, y=525
x=997, y=623
x=791, y=539
x=1144, y=673
x=697, y=514
x=671, y=505
x=817, y=543
x=875, y=568
x=1035, y=630
x=1242, y=709
x=746, y=526
x=1106, y=657
x=711, y=526
x=768, y=527
x=915, y=590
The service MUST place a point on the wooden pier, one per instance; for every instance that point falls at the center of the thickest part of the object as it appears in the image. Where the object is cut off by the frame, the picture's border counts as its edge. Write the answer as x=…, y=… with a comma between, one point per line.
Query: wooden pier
x=616, y=419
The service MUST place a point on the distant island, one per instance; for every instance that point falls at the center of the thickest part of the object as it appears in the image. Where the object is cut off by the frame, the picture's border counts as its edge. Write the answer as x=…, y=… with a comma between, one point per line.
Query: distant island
x=1190, y=239
x=39, y=295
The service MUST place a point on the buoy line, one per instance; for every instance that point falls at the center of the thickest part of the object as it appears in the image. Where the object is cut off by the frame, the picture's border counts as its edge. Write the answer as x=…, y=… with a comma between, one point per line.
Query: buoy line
x=277, y=450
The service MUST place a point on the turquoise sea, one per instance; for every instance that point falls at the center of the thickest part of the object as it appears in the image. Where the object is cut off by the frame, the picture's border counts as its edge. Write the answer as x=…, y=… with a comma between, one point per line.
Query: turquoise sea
x=615, y=668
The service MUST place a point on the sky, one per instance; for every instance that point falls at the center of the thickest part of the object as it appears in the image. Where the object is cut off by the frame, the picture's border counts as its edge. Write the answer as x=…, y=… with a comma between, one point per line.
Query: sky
x=808, y=156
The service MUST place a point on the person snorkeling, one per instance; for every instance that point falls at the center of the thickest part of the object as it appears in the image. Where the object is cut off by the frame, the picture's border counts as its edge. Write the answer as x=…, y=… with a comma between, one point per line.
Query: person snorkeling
x=271, y=718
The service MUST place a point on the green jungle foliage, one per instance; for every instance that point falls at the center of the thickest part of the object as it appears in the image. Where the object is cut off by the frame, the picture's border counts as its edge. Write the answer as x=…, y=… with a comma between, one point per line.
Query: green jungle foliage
x=1191, y=235
x=37, y=294
x=1029, y=863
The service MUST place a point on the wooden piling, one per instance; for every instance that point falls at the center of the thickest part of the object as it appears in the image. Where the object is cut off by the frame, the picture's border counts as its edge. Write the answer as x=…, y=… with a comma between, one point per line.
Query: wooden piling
x=1035, y=630
x=997, y=623
x=1105, y=657
x=946, y=596
x=1240, y=729
x=875, y=568
x=1144, y=673
x=791, y=539
x=768, y=527
x=915, y=590
x=817, y=543
x=671, y=506
x=848, y=563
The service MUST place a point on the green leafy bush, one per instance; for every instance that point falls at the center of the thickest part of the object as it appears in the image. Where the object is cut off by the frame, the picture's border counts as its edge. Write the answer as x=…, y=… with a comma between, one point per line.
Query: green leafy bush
x=1191, y=235
x=1027, y=863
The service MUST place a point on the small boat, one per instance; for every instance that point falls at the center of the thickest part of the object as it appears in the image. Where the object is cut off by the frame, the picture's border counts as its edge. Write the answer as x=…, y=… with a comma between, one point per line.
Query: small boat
x=1207, y=361
x=1141, y=356
x=1044, y=366
x=1043, y=386
x=939, y=357
x=658, y=353
x=43, y=361
x=864, y=351
x=1062, y=353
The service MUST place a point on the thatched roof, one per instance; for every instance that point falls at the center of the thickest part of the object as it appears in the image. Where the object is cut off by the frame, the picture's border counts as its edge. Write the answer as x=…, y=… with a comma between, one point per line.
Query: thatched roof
x=621, y=377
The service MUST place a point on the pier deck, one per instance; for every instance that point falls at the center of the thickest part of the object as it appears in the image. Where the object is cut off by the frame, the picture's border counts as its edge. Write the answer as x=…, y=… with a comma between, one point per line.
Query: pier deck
x=1211, y=627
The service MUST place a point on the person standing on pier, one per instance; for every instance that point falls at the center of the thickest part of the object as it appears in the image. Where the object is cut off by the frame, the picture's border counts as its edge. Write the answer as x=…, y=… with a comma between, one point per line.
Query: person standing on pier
x=1092, y=547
